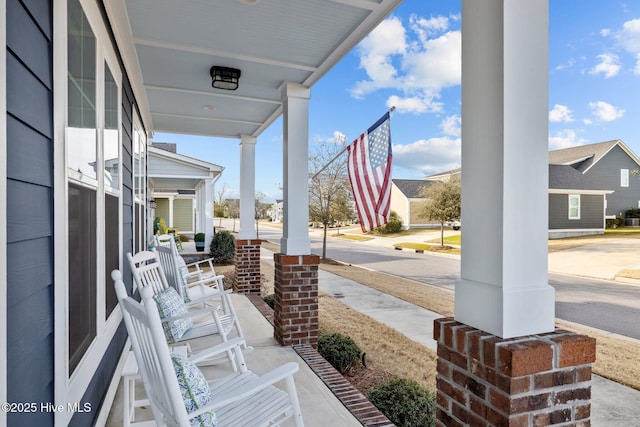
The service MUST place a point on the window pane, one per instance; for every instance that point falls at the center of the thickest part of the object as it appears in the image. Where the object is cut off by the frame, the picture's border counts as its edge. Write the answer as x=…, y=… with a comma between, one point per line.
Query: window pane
x=624, y=177
x=111, y=152
x=82, y=271
x=81, y=138
x=574, y=206
x=111, y=248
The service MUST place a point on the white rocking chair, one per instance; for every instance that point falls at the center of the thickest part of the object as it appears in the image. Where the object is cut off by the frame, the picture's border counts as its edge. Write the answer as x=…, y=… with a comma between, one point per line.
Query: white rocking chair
x=177, y=391
x=178, y=275
x=179, y=322
x=199, y=270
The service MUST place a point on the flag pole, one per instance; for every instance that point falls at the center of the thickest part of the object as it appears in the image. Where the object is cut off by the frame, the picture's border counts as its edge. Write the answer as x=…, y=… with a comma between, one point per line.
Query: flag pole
x=341, y=152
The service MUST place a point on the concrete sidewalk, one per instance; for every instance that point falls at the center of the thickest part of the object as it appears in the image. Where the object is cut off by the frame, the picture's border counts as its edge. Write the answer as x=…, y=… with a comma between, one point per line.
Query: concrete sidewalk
x=612, y=404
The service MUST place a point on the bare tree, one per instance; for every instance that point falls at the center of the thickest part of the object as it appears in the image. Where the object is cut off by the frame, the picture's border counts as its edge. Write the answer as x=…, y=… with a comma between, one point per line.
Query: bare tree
x=260, y=209
x=442, y=202
x=329, y=192
x=219, y=209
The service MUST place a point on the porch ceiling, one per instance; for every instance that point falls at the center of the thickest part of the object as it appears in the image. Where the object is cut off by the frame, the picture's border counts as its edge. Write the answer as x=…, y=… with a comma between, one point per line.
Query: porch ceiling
x=169, y=47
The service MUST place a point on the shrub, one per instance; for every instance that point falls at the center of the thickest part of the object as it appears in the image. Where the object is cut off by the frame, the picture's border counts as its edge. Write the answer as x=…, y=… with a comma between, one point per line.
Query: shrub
x=223, y=247
x=394, y=224
x=270, y=300
x=340, y=351
x=199, y=237
x=614, y=222
x=405, y=403
x=183, y=237
x=632, y=213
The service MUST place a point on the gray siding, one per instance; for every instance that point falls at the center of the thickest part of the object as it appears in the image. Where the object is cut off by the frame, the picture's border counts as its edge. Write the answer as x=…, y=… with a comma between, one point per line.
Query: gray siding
x=30, y=366
x=607, y=173
x=591, y=212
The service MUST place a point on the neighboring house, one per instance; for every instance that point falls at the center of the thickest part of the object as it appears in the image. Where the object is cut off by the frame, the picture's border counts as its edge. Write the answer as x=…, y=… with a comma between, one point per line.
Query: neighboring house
x=406, y=201
x=276, y=211
x=183, y=189
x=587, y=185
x=576, y=203
x=609, y=165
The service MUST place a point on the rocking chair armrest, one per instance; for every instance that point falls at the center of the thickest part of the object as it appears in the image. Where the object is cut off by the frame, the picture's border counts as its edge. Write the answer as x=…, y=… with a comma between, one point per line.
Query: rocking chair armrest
x=204, y=281
x=253, y=386
x=217, y=349
x=197, y=263
x=206, y=298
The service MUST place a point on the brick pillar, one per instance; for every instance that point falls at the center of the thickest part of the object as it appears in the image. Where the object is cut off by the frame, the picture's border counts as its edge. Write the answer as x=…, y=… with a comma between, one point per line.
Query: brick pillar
x=296, y=299
x=247, y=261
x=535, y=380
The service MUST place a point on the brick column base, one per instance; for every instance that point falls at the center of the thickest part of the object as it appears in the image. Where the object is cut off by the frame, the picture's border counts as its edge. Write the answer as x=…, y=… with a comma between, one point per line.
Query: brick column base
x=296, y=299
x=536, y=380
x=247, y=261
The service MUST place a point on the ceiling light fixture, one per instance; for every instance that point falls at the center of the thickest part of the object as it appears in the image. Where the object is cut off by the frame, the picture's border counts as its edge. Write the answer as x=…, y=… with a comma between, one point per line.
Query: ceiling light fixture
x=208, y=107
x=224, y=77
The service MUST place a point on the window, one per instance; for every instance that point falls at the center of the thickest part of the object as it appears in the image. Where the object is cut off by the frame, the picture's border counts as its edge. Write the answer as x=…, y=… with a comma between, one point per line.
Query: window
x=82, y=184
x=574, y=206
x=93, y=179
x=624, y=177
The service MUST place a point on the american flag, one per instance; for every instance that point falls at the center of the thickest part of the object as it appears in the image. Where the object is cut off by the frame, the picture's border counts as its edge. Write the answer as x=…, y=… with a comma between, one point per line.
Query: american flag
x=369, y=167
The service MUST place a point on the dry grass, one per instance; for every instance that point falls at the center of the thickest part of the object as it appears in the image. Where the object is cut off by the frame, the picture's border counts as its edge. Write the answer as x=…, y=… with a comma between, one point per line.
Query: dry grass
x=429, y=297
x=616, y=357
x=387, y=350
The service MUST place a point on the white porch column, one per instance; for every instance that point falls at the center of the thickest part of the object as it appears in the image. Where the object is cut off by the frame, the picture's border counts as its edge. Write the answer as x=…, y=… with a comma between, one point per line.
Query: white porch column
x=205, y=212
x=295, y=233
x=247, y=187
x=504, y=286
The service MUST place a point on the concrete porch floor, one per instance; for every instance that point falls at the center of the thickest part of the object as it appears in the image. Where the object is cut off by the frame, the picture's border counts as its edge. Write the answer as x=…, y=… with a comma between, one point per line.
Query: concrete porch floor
x=320, y=407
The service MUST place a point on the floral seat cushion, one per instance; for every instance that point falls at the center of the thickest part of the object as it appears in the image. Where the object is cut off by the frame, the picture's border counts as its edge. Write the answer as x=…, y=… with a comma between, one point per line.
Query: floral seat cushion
x=171, y=304
x=194, y=389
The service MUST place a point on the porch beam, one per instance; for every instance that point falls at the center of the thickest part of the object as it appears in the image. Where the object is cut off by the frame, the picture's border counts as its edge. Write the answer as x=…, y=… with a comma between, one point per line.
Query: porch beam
x=247, y=187
x=295, y=233
x=504, y=286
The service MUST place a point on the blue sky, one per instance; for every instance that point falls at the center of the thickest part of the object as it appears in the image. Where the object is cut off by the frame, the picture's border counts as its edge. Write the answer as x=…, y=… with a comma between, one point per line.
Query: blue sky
x=412, y=61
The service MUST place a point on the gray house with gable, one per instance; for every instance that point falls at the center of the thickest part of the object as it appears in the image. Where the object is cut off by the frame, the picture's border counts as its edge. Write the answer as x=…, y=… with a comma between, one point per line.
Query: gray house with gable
x=609, y=165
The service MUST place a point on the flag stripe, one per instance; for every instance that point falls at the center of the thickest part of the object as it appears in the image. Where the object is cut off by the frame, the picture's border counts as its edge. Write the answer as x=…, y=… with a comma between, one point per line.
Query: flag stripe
x=369, y=167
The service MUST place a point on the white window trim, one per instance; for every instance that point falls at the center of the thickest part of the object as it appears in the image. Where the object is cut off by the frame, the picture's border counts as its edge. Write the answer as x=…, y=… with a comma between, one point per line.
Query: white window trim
x=574, y=196
x=3, y=209
x=73, y=389
x=624, y=177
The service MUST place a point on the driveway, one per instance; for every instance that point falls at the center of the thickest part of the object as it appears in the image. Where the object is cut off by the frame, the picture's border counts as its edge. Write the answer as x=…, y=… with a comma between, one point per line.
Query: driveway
x=601, y=260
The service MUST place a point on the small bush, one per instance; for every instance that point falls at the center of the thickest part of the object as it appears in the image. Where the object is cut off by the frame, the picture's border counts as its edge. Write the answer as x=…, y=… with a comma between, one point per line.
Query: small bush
x=199, y=237
x=270, y=299
x=394, y=225
x=614, y=222
x=340, y=351
x=405, y=403
x=183, y=237
x=632, y=213
x=223, y=247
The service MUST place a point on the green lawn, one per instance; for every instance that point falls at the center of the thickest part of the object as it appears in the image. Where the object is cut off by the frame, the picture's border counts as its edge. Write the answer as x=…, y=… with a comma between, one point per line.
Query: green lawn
x=449, y=240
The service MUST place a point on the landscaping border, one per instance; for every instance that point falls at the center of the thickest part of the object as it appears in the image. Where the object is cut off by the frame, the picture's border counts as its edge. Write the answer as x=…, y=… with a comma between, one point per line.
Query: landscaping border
x=357, y=403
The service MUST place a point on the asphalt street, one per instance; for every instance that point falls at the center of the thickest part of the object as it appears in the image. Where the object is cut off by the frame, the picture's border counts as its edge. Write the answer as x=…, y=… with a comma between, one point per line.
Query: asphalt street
x=602, y=304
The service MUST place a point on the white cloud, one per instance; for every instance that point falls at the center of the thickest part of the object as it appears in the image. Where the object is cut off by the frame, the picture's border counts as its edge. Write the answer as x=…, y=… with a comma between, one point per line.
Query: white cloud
x=570, y=63
x=414, y=104
x=452, y=125
x=339, y=137
x=629, y=39
x=560, y=113
x=429, y=155
x=376, y=51
x=605, y=112
x=609, y=65
x=565, y=139
x=419, y=68
x=605, y=32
